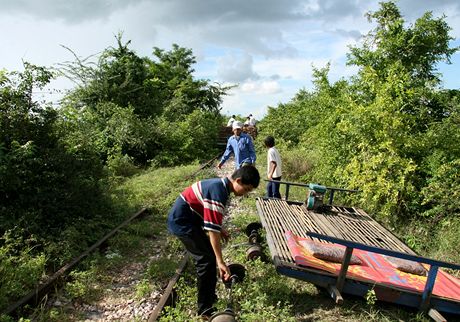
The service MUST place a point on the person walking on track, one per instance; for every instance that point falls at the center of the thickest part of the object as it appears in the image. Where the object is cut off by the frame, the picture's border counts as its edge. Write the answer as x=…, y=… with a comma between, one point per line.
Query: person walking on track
x=240, y=144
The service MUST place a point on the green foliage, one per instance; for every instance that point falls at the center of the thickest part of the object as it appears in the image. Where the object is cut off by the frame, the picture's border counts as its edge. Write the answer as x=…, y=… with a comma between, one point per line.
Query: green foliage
x=447, y=240
x=44, y=186
x=387, y=130
x=162, y=269
x=81, y=287
x=128, y=109
x=119, y=77
x=441, y=193
x=418, y=48
x=20, y=266
x=109, y=131
x=187, y=140
x=180, y=93
x=121, y=165
x=143, y=289
x=49, y=189
x=155, y=189
x=298, y=164
x=371, y=297
x=6, y=318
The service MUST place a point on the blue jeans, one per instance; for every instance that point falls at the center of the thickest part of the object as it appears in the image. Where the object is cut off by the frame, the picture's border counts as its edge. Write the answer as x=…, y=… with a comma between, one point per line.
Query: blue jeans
x=273, y=189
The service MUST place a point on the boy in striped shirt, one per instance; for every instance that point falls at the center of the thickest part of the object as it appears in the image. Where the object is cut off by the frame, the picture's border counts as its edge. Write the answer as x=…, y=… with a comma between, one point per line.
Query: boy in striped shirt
x=199, y=210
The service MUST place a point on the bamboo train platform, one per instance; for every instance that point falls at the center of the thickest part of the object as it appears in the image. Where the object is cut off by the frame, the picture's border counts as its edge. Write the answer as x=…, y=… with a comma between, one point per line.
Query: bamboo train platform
x=288, y=222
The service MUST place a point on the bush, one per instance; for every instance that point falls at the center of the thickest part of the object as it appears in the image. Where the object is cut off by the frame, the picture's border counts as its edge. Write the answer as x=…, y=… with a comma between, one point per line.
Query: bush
x=442, y=193
x=82, y=285
x=120, y=165
x=298, y=164
x=190, y=139
x=20, y=267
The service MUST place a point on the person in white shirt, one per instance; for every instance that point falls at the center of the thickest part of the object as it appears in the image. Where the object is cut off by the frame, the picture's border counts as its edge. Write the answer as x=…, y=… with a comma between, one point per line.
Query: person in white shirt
x=252, y=121
x=274, y=169
x=231, y=120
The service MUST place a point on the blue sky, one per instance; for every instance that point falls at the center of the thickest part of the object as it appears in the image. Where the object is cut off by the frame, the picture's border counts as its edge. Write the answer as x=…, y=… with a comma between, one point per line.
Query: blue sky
x=267, y=47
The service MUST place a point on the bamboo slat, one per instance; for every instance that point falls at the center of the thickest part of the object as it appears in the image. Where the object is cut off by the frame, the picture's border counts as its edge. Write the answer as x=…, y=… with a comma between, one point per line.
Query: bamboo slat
x=347, y=223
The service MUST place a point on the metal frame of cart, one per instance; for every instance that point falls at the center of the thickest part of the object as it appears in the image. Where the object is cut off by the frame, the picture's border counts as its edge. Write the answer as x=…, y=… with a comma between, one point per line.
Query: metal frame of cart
x=354, y=229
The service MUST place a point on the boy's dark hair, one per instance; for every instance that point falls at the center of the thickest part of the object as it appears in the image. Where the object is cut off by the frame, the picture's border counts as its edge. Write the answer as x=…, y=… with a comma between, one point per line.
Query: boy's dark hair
x=248, y=174
x=269, y=141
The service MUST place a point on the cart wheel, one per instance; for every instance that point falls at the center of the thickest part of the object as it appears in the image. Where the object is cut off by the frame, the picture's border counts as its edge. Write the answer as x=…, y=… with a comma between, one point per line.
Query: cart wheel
x=172, y=298
x=225, y=316
x=254, y=238
x=254, y=252
x=237, y=272
x=254, y=226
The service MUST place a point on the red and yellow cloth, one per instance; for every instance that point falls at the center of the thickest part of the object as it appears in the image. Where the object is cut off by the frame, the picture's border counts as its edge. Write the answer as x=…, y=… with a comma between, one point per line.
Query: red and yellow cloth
x=374, y=268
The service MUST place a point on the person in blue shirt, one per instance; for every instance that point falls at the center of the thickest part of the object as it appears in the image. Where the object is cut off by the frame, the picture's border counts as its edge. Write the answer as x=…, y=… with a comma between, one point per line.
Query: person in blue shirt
x=241, y=145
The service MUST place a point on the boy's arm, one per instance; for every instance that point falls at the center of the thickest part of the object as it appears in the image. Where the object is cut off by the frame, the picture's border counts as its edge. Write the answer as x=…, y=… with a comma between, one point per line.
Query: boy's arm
x=272, y=169
x=228, y=151
x=214, y=237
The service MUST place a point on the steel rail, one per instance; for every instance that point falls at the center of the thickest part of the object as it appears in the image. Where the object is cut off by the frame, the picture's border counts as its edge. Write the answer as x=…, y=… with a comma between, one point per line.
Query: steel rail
x=39, y=292
x=35, y=296
x=156, y=313
x=169, y=290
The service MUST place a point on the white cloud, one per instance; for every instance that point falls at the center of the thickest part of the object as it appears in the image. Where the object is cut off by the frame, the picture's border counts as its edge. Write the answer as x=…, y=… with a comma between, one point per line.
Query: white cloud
x=233, y=68
x=264, y=87
x=268, y=46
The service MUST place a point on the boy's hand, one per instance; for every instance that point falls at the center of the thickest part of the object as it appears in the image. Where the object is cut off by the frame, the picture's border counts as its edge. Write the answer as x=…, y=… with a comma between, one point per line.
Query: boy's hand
x=224, y=271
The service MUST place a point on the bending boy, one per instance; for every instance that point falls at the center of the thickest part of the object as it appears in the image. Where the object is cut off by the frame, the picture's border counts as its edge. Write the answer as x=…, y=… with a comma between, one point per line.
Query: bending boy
x=199, y=210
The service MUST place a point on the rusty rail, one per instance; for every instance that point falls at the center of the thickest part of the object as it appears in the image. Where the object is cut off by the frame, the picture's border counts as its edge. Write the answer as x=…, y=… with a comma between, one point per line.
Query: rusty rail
x=37, y=294
x=169, y=290
x=34, y=297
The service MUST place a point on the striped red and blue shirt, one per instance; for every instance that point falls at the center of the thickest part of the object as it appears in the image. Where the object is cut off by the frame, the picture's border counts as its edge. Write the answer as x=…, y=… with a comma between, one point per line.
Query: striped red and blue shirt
x=203, y=203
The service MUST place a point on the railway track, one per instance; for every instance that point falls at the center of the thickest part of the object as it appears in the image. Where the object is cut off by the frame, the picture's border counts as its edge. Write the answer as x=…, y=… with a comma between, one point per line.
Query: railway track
x=42, y=294
x=35, y=296
x=168, y=295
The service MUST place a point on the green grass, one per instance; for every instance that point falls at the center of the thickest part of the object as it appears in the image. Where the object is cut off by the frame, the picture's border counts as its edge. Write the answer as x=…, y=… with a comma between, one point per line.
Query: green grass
x=264, y=295
x=163, y=269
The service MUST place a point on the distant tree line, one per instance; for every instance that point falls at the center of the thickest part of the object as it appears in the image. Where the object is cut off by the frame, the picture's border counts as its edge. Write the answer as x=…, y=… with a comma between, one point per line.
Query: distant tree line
x=390, y=131
x=125, y=112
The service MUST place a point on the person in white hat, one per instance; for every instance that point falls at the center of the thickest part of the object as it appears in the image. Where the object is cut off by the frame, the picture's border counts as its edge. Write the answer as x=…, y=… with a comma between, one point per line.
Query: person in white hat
x=241, y=145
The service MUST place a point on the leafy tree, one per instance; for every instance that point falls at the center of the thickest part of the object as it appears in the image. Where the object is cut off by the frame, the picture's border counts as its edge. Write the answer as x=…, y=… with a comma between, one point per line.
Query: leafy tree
x=418, y=48
x=119, y=100
x=398, y=102
x=119, y=77
x=108, y=130
x=187, y=140
x=43, y=187
x=181, y=93
x=382, y=131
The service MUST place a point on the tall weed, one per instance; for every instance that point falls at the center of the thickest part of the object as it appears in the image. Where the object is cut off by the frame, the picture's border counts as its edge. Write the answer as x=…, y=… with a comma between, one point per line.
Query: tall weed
x=21, y=268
